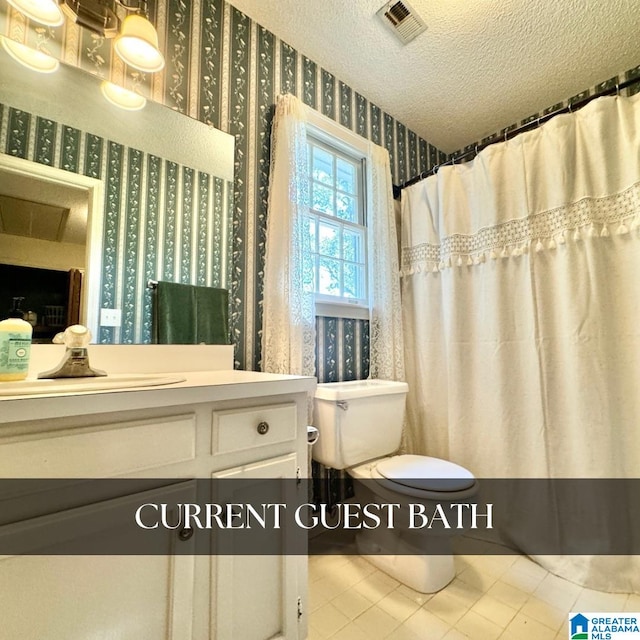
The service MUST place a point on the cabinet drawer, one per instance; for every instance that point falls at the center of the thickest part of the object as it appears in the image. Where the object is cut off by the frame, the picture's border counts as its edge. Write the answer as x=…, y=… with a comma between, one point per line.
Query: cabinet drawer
x=107, y=450
x=240, y=429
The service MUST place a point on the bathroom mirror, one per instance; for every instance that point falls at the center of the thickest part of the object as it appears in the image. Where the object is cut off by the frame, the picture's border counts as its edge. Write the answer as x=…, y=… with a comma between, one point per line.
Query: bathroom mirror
x=50, y=239
x=156, y=183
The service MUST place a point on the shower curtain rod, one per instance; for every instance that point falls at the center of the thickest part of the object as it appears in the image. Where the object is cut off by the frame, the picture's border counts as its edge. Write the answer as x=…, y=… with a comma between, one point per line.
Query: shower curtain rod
x=536, y=122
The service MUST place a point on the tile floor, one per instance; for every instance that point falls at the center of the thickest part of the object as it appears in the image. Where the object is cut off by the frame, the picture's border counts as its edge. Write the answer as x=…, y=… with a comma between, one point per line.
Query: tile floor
x=492, y=596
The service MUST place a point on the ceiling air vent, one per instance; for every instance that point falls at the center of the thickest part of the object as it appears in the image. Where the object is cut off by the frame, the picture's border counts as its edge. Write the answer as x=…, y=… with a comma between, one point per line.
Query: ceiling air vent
x=402, y=19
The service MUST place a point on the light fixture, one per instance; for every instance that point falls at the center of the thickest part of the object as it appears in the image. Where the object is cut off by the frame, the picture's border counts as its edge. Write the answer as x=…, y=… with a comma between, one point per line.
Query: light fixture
x=30, y=58
x=45, y=12
x=137, y=44
x=136, y=39
x=121, y=97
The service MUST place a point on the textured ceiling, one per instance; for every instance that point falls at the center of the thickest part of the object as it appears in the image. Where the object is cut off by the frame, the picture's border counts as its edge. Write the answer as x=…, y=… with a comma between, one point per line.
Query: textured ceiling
x=480, y=66
x=41, y=209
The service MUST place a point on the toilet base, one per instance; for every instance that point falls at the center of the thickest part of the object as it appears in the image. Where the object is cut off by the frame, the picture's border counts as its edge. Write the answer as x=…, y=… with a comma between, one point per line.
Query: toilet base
x=422, y=573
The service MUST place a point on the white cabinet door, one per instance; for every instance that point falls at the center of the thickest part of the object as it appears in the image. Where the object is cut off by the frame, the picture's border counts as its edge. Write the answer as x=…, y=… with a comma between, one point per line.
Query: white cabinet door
x=255, y=596
x=69, y=597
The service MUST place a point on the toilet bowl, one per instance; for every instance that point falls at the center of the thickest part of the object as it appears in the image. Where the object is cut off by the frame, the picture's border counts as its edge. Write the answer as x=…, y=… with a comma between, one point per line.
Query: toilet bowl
x=360, y=425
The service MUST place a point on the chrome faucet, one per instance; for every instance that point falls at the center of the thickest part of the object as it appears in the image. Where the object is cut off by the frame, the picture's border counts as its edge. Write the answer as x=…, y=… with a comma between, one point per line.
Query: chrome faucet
x=75, y=363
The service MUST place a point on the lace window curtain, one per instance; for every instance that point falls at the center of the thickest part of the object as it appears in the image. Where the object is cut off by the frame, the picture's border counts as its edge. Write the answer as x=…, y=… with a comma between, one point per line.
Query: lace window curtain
x=288, y=331
x=288, y=335
x=385, y=315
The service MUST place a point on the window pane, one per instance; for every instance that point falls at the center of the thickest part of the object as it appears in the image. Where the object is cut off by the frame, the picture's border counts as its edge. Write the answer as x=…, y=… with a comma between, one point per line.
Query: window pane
x=322, y=199
x=346, y=208
x=328, y=240
x=346, y=176
x=352, y=245
x=353, y=281
x=329, y=276
x=350, y=281
x=322, y=166
x=337, y=237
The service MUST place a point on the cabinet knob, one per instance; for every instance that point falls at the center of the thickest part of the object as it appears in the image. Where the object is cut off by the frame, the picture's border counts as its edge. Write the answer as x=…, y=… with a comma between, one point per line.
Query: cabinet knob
x=185, y=534
x=263, y=427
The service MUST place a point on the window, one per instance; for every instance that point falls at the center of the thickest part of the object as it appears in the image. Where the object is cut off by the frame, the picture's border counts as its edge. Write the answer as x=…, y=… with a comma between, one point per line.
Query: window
x=337, y=226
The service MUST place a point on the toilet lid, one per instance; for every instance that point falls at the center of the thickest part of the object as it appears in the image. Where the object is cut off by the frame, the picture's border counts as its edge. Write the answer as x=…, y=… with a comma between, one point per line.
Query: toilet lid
x=426, y=473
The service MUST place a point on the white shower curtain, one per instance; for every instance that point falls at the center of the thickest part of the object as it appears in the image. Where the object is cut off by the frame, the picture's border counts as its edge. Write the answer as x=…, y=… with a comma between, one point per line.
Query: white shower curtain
x=521, y=310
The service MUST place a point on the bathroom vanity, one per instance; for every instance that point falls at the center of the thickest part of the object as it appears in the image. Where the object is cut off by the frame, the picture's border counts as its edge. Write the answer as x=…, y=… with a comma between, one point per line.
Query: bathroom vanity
x=213, y=423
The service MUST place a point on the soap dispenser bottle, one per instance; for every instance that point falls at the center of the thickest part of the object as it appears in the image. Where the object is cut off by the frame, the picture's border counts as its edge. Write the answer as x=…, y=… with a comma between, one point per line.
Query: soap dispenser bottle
x=15, y=344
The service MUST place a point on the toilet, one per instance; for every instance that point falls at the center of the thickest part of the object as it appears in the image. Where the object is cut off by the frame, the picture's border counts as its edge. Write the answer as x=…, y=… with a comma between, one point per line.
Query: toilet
x=360, y=425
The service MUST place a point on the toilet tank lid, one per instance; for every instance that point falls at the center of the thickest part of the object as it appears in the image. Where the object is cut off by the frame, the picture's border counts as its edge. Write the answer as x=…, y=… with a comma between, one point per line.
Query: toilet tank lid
x=425, y=472
x=359, y=389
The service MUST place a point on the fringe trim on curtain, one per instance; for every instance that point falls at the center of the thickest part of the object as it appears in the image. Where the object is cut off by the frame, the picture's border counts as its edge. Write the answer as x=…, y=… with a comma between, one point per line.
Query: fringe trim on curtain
x=546, y=231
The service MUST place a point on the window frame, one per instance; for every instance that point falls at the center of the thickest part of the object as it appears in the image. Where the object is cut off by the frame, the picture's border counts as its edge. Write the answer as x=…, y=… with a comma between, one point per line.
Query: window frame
x=338, y=139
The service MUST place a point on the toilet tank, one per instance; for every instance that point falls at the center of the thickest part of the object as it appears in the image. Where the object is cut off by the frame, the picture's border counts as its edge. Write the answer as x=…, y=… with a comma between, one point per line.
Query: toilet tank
x=358, y=421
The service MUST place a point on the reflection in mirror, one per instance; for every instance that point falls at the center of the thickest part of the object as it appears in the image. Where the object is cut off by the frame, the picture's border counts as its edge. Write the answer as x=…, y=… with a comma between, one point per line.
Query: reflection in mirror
x=156, y=183
x=49, y=244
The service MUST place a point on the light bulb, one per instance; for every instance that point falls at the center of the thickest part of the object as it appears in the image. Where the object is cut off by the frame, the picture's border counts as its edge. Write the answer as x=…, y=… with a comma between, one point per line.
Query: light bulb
x=121, y=97
x=30, y=58
x=137, y=44
x=45, y=12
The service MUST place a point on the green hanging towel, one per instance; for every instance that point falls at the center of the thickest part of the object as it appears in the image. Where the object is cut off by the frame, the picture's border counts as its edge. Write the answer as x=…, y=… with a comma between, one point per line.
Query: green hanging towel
x=188, y=314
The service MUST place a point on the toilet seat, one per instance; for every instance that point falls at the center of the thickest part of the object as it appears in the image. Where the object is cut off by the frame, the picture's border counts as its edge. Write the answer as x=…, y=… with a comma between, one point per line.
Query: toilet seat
x=426, y=473
x=422, y=477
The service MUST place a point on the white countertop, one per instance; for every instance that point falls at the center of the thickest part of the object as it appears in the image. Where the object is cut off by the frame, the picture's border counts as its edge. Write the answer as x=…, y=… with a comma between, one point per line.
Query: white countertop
x=196, y=387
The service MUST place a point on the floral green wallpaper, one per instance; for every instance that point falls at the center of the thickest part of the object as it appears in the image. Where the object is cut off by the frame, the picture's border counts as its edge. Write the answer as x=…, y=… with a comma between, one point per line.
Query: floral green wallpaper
x=249, y=67
x=225, y=70
x=145, y=198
